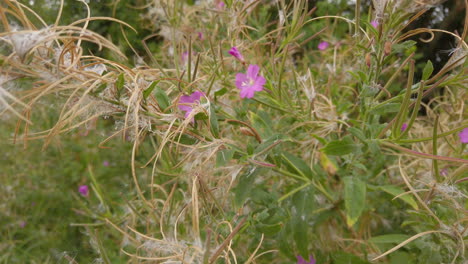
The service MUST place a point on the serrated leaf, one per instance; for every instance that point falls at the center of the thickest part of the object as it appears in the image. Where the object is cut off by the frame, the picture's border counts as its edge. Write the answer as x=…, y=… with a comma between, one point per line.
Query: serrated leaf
x=298, y=165
x=340, y=147
x=395, y=191
x=355, y=199
x=428, y=69
x=389, y=239
x=150, y=89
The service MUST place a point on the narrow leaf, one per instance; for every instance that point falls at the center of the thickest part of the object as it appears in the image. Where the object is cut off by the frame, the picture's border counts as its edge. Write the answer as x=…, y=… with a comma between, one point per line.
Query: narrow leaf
x=395, y=191
x=340, y=147
x=428, y=69
x=214, y=127
x=150, y=89
x=298, y=165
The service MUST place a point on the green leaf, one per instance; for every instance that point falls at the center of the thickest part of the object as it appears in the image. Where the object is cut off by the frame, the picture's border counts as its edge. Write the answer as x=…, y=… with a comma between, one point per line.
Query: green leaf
x=355, y=199
x=262, y=127
x=220, y=92
x=298, y=165
x=271, y=142
x=120, y=84
x=428, y=69
x=214, y=126
x=299, y=219
x=150, y=89
x=347, y=258
x=223, y=157
x=389, y=239
x=245, y=185
x=395, y=191
x=357, y=133
x=386, y=108
x=340, y=147
x=161, y=98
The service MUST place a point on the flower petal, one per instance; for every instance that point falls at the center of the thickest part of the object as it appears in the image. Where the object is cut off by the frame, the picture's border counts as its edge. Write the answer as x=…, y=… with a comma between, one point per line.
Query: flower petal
x=252, y=71
x=259, y=82
x=240, y=78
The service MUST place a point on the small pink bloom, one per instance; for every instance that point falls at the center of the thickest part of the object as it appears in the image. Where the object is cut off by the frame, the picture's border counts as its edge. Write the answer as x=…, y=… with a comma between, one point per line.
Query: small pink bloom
x=22, y=224
x=301, y=260
x=200, y=35
x=375, y=23
x=464, y=135
x=250, y=82
x=186, y=102
x=236, y=53
x=220, y=5
x=105, y=163
x=323, y=45
x=444, y=172
x=404, y=127
x=84, y=190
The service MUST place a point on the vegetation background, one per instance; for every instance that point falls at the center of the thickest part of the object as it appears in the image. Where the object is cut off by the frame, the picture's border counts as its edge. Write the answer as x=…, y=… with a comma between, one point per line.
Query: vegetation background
x=310, y=166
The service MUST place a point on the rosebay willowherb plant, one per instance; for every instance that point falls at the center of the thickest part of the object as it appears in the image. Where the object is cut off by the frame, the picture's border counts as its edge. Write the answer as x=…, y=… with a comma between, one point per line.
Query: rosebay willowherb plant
x=261, y=133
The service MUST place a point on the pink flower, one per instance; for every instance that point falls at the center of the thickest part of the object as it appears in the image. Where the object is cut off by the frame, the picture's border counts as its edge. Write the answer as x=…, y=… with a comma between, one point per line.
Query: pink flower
x=200, y=35
x=375, y=23
x=220, y=5
x=250, y=83
x=236, y=53
x=404, y=127
x=444, y=172
x=186, y=102
x=323, y=45
x=301, y=260
x=22, y=224
x=83, y=190
x=464, y=135
x=185, y=55
x=105, y=163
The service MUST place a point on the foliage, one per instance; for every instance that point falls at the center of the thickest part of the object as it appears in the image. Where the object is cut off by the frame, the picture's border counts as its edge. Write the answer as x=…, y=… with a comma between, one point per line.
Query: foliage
x=331, y=157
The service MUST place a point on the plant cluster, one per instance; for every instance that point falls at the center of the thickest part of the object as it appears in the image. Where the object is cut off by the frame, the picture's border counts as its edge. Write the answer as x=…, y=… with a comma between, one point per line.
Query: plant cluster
x=261, y=131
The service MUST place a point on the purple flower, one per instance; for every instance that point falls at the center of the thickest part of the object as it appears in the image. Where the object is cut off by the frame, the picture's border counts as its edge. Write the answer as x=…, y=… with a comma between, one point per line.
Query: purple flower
x=375, y=23
x=105, y=163
x=323, y=45
x=84, y=190
x=404, y=127
x=200, y=35
x=186, y=102
x=250, y=83
x=236, y=53
x=464, y=135
x=22, y=224
x=301, y=260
